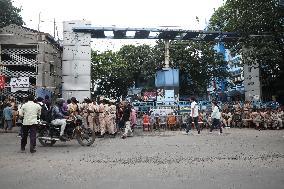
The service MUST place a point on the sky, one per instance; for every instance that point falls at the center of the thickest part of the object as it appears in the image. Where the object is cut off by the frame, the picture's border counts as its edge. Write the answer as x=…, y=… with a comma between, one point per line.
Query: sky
x=119, y=13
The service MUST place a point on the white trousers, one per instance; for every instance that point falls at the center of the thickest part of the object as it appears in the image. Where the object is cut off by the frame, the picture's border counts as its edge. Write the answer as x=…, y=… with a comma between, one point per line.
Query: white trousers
x=127, y=128
x=62, y=123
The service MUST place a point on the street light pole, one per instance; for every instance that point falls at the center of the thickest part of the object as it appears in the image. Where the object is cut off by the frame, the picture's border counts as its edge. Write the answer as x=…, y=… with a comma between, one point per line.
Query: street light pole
x=167, y=53
x=38, y=21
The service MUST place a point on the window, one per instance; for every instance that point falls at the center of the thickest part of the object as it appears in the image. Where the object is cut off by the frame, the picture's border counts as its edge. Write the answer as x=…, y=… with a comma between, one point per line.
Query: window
x=249, y=69
x=51, y=69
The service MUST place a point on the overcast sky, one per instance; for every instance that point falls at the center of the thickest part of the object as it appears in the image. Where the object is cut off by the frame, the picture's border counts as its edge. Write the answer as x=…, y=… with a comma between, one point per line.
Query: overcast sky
x=121, y=13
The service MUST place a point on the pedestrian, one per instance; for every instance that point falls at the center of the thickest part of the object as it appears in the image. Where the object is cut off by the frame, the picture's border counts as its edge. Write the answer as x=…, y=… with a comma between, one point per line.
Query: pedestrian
x=215, y=116
x=47, y=102
x=102, y=114
x=126, y=120
x=8, y=117
x=96, y=117
x=112, y=118
x=30, y=112
x=44, y=109
x=133, y=118
x=193, y=118
x=20, y=119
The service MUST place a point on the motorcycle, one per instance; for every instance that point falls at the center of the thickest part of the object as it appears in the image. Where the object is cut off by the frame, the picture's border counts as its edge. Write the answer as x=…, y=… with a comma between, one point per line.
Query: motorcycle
x=48, y=134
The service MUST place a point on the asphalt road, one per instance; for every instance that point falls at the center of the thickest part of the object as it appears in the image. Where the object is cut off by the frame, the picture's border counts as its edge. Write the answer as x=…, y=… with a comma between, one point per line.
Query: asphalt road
x=239, y=158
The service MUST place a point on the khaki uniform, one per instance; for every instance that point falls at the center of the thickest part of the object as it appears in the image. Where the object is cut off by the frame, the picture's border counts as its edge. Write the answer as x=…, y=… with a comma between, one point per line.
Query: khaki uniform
x=107, y=121
x=72, y=108
x=111, y=119
x=90, y=116
x=102, y=118
x=84, y=113
x=96, y=117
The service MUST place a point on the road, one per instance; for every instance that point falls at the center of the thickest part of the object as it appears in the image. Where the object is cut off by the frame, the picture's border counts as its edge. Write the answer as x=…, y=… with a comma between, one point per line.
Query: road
x=239, y=158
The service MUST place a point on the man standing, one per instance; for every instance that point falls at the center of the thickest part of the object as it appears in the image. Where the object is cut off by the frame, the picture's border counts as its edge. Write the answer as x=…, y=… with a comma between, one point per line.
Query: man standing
x=30, y=112
x=126, y=120
x=102, y=113
x=193, y=116
x=215, y=116
x=111, y=118
x=8, y=117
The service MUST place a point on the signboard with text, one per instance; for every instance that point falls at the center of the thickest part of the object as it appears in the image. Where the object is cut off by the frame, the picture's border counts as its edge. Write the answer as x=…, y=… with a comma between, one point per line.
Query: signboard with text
x=19, y=84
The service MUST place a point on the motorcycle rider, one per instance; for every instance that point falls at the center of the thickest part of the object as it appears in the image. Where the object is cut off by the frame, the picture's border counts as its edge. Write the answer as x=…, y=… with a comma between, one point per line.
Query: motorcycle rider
x=59, y=117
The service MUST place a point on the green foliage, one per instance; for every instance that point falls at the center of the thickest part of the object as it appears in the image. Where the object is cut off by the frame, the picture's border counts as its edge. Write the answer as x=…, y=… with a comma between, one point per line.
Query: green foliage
x=261, y=26
x=140, y=63
x=110, y=73
x=198, y=63
x=115, y=72
x=9, y=14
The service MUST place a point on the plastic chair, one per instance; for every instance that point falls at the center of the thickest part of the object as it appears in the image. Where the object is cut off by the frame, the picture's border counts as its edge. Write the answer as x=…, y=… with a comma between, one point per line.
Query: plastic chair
x=172, y=121
x=146, y=122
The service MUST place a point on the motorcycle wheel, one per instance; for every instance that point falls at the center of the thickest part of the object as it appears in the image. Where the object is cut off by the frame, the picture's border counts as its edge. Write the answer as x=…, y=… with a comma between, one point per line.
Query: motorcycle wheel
x=45, y=133
x=85, y=137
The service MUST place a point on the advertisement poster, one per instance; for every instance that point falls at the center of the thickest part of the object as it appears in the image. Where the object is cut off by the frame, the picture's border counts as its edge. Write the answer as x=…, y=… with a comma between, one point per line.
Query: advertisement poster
x=2, y=81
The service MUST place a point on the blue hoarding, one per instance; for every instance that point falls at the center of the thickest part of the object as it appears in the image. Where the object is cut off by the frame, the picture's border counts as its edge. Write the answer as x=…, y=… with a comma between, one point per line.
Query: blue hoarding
x=167, y=78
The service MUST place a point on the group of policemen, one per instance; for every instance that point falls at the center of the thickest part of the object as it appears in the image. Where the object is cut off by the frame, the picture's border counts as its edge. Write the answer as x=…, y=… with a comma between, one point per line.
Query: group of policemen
x=100, y=117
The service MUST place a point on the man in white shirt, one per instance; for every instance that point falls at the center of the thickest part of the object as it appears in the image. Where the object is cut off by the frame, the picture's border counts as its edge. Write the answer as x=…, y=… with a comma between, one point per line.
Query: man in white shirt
x=193, y=116
x=30, y=112
x=215, y=116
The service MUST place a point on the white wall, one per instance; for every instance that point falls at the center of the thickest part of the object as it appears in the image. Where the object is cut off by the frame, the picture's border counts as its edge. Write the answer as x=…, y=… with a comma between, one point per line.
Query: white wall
x=76, y=61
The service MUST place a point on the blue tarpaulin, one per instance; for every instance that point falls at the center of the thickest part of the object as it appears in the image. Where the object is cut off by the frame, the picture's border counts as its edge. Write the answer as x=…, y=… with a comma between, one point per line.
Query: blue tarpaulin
x=42, y=92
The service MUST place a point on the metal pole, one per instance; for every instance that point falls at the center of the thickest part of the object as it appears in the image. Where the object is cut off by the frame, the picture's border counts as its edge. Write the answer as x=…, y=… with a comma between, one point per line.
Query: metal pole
x=167, y=53
x=38, y=21
x=54, y=28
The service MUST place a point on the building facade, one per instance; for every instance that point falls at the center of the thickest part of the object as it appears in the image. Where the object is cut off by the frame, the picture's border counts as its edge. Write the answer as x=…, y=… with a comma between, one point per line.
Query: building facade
x=30, y=62
x=232, y=88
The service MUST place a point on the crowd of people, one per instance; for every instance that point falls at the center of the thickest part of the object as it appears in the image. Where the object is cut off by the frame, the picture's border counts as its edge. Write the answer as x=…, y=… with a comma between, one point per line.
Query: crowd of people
x=102, y=115
x=105, y=116
x=234, y=114
x=237, y=115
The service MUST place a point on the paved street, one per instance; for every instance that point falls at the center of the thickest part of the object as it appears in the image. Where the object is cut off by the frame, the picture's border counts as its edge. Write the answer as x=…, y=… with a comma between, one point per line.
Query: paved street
x=240, y=158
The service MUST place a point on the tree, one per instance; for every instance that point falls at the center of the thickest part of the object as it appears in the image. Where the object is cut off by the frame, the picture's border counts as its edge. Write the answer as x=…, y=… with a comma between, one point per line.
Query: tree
x=198, y=63
x=9, y=14
x=110, y=74
x=261, y=27
x=140, y=63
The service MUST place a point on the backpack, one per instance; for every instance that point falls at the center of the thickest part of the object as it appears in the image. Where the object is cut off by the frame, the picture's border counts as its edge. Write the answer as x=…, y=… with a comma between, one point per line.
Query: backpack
x=45, y=113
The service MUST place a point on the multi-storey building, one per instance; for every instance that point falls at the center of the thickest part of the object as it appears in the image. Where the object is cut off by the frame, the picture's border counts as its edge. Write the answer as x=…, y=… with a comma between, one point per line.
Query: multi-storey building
x=231, y=88
x=30, y=62
x=236, y=90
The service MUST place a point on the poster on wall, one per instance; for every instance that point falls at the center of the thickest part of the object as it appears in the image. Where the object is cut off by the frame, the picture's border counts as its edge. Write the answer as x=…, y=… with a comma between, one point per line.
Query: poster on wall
x=149, y=96
x=19, y=84
x=169, y=96
x=2, y=81
x=160, y=95
x=42, y=92
x=167, y=78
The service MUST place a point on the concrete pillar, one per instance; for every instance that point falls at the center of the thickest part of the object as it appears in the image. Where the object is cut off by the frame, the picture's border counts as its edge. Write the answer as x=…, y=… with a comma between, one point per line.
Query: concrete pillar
x=76, y=61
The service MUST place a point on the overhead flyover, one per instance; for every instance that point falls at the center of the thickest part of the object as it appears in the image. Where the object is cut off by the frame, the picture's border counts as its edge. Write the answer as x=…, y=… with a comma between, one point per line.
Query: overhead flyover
x=154, y=33
x=76, y=59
